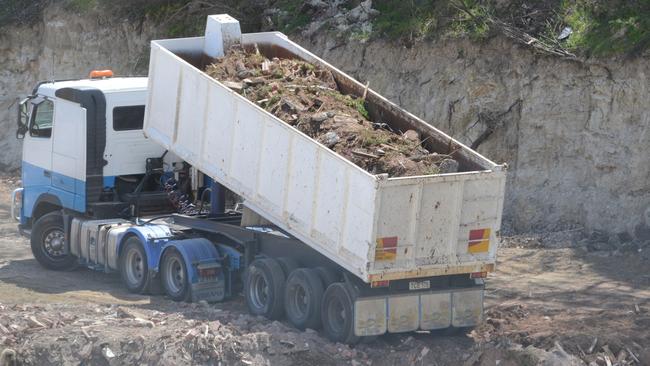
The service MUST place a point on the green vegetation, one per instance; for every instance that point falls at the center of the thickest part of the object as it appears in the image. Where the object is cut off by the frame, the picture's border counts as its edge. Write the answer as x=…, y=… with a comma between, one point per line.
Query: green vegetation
x=600, y=27
x=356, y=103
x=608, y=27
x=471, y=19
x=81, y=5
x=295, y=18
x=20, y=11
x=418, y=19
x=369, y=139
x=431, y=170
x=413, y=19
x=360, y=105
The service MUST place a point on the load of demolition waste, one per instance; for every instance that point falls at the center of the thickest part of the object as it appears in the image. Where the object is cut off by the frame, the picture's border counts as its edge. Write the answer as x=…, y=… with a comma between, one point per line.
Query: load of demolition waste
x=306, y=96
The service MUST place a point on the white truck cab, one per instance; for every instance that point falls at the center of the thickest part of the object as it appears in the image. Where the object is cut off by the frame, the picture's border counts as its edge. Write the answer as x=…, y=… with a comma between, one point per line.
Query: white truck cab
x=83, y=146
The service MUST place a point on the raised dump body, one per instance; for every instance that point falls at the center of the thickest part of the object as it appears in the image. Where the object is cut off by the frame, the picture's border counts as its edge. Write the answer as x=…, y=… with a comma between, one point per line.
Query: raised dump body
x=376, y=227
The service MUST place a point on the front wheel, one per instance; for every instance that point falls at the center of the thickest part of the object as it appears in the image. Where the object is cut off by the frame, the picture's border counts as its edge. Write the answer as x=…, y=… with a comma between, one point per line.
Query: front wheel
x=48, y=243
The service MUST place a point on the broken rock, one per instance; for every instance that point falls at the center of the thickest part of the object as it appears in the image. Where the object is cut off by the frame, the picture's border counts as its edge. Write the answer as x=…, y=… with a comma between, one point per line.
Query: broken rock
x=412, y=135
x=448, y=166
x=234, y=85
x=330, y=139
x=319, y=117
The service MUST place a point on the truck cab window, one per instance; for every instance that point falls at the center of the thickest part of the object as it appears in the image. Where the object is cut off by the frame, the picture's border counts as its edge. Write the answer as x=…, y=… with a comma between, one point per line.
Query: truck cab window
x=42, y=117
x=128, y=118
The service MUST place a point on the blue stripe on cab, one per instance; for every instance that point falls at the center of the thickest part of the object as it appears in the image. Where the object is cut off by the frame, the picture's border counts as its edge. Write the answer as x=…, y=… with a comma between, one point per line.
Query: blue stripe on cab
x=70, y=191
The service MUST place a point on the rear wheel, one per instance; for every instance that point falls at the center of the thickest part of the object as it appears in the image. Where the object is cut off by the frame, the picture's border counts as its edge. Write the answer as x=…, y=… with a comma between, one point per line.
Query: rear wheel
x=327, y=275
x=303, y=297
x=287, y=264
x=264, y=288
x=337, y=314
x=48, y=243
x=173, y=275
x=133, y=266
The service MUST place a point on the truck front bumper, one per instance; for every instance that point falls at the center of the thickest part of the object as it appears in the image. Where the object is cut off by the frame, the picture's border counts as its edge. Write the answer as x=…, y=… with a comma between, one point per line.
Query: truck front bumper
x=423, y=310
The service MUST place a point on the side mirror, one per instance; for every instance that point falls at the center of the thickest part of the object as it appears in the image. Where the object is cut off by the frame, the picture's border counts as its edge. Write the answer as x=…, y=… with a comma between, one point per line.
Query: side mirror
x=23, y=118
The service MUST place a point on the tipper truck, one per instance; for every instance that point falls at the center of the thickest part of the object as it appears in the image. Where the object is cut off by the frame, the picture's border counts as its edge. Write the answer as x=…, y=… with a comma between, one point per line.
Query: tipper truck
x=185, y=187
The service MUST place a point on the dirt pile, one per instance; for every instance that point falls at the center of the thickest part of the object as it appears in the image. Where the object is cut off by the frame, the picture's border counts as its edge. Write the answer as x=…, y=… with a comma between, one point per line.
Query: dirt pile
x=119, y=335
x=306, y=96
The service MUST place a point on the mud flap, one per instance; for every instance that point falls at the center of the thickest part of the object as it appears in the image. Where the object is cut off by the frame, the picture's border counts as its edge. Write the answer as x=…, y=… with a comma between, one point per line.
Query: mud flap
x=370, y=317
x=467, y=308
x=435, y=311
x=209, y=288
x=424, y=310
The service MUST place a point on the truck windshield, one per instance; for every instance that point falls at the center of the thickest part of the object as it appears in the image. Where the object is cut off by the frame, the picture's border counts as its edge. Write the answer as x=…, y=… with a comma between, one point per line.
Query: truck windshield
x=128, y=118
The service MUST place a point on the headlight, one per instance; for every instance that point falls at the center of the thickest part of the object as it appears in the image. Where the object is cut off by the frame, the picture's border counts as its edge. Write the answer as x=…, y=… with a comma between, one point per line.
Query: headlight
x=16, y=203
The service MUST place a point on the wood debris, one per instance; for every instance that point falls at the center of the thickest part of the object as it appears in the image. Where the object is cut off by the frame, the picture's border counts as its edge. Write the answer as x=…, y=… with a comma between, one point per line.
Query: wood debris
x=307, y=97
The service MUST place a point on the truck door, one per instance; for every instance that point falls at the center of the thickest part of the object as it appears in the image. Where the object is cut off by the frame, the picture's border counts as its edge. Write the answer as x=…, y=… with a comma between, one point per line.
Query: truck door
x=69, y=154
x=37, y=153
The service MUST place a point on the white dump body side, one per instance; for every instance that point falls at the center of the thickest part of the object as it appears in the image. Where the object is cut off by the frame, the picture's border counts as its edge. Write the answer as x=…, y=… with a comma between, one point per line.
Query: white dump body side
x=329, y=203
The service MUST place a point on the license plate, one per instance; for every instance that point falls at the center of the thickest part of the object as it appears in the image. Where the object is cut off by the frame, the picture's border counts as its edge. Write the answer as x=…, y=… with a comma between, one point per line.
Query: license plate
x=419, y=285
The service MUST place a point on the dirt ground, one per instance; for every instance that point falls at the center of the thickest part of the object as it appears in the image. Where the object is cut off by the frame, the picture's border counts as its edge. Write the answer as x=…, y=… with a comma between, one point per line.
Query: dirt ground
x=549, y=302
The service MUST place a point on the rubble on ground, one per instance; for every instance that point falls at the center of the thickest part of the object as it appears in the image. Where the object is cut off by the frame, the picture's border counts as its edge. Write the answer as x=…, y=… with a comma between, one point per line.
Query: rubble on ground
x=118, y=335
x=307, y=97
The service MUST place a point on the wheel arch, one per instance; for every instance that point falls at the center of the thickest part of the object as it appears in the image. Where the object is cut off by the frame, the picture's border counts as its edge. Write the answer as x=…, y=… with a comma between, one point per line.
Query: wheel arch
x=45, y=203
x=153, y=239
x=192, y=251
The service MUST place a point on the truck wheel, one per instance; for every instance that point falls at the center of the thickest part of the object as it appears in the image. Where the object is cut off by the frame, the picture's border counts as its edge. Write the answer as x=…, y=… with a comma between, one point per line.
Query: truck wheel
x=264, y=288
x=302, y=298
x=133, y=266
x=327, y=275
x=287, y=264
x=337, y=314
x=173, y=275
x=48, y=243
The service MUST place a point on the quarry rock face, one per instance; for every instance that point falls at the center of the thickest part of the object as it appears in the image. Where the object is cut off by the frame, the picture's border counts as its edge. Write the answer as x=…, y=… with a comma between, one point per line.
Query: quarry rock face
x=575, y=135
x=63, y=45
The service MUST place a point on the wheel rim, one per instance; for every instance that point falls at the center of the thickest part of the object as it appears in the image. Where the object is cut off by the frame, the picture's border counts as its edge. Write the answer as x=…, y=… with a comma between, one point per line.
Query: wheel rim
x=54, y=244
x=134, y=267
x=174, y=275
x=336, y=315
x=299, y=301
x=259, y=290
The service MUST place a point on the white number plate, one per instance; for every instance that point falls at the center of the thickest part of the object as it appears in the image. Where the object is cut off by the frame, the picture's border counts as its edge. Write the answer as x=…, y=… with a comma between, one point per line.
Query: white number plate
x=419, y=285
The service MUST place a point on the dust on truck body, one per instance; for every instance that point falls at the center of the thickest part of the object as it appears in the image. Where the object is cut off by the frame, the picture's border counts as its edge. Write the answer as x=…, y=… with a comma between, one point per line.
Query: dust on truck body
x=321, y=240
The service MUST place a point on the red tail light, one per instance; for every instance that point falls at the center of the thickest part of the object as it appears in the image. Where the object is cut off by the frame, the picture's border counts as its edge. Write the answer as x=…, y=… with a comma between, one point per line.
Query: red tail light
x=375, y=284
x=478, y=275
x=208, y=272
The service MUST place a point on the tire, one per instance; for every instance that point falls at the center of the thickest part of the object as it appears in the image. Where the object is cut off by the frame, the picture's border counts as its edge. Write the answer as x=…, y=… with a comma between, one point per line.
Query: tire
x=303, y=296
x=337, y=314
x=327, y=275
x=264, y=288
x=48, y=243
x=174, y=276
x=288, y=265
x=133, y=266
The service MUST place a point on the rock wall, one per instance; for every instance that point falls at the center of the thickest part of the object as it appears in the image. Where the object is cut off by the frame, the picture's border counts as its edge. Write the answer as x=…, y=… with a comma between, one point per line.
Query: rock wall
x=576, y=137
x=63, y=45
